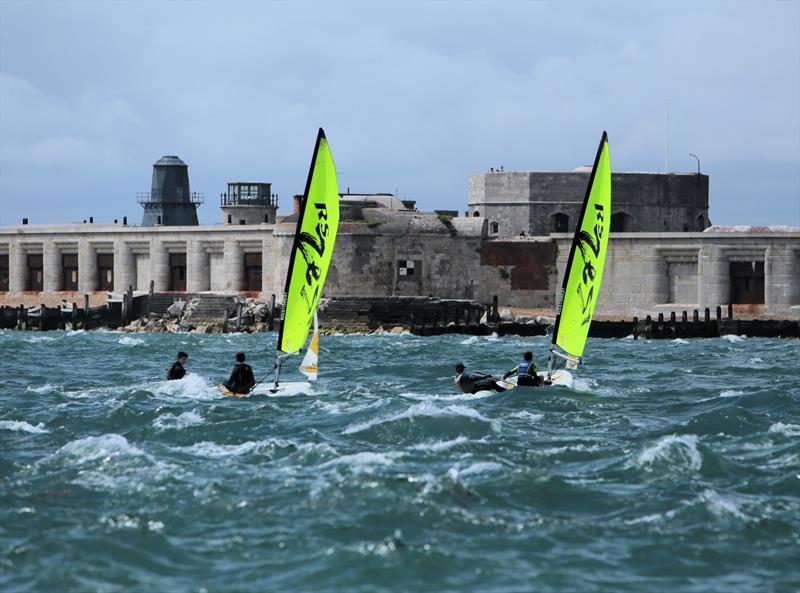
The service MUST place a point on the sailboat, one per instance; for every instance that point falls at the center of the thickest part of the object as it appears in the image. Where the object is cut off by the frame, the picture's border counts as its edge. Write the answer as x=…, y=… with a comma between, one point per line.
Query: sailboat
x=312, y=249
x=310, y=259
x=582, y=276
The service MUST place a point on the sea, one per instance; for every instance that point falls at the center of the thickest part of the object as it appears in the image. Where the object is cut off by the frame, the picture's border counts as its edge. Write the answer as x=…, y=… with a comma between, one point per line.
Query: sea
x=668, y=466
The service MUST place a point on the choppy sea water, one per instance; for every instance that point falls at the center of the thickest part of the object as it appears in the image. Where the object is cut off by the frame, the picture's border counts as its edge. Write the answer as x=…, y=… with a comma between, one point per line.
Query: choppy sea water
x=672, y=466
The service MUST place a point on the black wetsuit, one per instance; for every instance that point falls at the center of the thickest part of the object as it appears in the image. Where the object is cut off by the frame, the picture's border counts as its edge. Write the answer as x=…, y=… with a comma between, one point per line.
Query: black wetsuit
x=475, y=382
x=242, y=379
x=176, y=371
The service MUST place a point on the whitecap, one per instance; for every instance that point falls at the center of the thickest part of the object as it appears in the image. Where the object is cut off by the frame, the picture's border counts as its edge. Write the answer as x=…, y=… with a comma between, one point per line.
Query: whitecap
x=731, y=393
x=628, y=337
x=22, y=426
x=179, y=422
x=525, y=415
x=46, y=388
x=721, y=506
x=75, y=332
x=441, y=445
x=105, y=447
x=363, y=461
x=424, y=409
x=39, y=339
x=481, y=467
x=129, y=341
x=192, y=386
x=680, y=341
x=579, y=447
x=733, y=338
x=211, y=449
x=675, y=450
x=789, y=430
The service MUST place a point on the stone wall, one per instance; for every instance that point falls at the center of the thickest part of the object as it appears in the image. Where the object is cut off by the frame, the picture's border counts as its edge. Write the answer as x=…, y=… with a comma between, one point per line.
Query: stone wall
x=416, y=254
x=642, y=202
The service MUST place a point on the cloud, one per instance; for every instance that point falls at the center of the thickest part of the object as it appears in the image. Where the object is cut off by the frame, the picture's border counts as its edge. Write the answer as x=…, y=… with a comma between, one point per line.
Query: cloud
x=413, y=99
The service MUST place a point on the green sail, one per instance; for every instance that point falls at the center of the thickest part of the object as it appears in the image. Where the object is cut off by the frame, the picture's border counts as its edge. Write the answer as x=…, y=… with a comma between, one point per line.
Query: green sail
x=317, y=224
x=587, y=256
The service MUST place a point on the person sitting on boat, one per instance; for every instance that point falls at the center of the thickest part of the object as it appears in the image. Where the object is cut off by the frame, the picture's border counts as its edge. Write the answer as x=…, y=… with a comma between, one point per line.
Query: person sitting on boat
x=176, y=371
x=475, y=382
x=242, y=379
x=526, y=372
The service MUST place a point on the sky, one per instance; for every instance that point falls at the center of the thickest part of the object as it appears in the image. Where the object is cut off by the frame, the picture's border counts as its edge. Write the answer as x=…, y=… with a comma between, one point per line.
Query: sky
x=414, y=97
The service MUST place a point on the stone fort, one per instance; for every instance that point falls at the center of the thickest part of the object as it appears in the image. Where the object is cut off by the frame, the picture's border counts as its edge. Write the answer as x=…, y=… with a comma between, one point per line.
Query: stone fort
x=511, y=242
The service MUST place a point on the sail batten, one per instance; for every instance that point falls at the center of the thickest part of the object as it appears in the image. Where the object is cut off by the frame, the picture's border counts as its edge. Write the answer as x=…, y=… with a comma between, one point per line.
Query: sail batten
x=312, y=249
x=584, y=272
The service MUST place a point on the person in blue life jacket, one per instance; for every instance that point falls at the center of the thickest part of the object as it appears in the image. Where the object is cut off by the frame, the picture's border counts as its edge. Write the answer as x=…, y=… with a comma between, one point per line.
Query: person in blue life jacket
x=476, y=381
x=526, y=372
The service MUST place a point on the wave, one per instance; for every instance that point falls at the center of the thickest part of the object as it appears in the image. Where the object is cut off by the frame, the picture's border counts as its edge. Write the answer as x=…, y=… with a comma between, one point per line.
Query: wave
x=22, y=426
x=363, y=461
x=129, y=341
x=721, y=506
x=436, y=446
x=192, y=386
x=673, y=451
x=787, y=429
x=105, y=447
x=215, y=450
x=481, y=467
x=416, y=411
x=184, y=420
x=733, y=338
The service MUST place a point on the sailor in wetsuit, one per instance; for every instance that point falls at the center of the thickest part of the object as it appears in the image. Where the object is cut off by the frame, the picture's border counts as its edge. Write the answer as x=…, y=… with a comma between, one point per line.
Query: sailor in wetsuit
x=474, y=382
x=176, y=371
x=242, y=379
x=526, y=372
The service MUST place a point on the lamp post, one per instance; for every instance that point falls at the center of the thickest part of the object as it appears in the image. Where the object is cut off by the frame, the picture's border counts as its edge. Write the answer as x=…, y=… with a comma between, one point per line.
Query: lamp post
x=698, y=162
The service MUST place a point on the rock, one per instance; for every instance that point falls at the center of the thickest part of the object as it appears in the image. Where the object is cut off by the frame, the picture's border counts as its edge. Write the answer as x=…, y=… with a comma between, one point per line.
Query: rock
x=484, y=319
x=397, y=330
x=176, y=309
x=544, y=320
x=506, y=315
x=201, y=328
x=525, y=319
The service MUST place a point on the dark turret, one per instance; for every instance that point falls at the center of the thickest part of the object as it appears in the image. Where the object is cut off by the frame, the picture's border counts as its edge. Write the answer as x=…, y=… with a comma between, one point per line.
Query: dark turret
x=169, y=201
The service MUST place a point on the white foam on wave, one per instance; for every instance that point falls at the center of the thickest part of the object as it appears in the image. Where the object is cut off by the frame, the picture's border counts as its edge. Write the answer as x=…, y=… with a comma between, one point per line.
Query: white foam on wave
x=215, y=450
x=680, y=341
x=441, y=445
x=39, y=339
x=46, y=388
x=579, y=447
x=447, y=397
x=676, y=450
x=105, y=447
x=75, y=332
x=720, y=505
x=129, y=341
x=733, y=338
x=421, y=410
x=22, y=426
x=481, y=467
x=731, y=393
x=787, y=429
x=184, y=420
x=192, y=386
x=525, y=415
x=364, y=461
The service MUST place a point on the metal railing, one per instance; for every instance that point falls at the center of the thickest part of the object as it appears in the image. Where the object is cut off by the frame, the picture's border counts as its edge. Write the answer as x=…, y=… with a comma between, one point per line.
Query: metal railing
x=151, y=198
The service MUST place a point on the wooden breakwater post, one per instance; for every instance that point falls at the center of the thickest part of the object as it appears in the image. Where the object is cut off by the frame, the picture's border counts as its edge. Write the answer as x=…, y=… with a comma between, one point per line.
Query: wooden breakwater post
x=271, y=322
x=648, y=327
x=239, y=307
x=730, y=310
x=635, y=328
x=225, y=321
